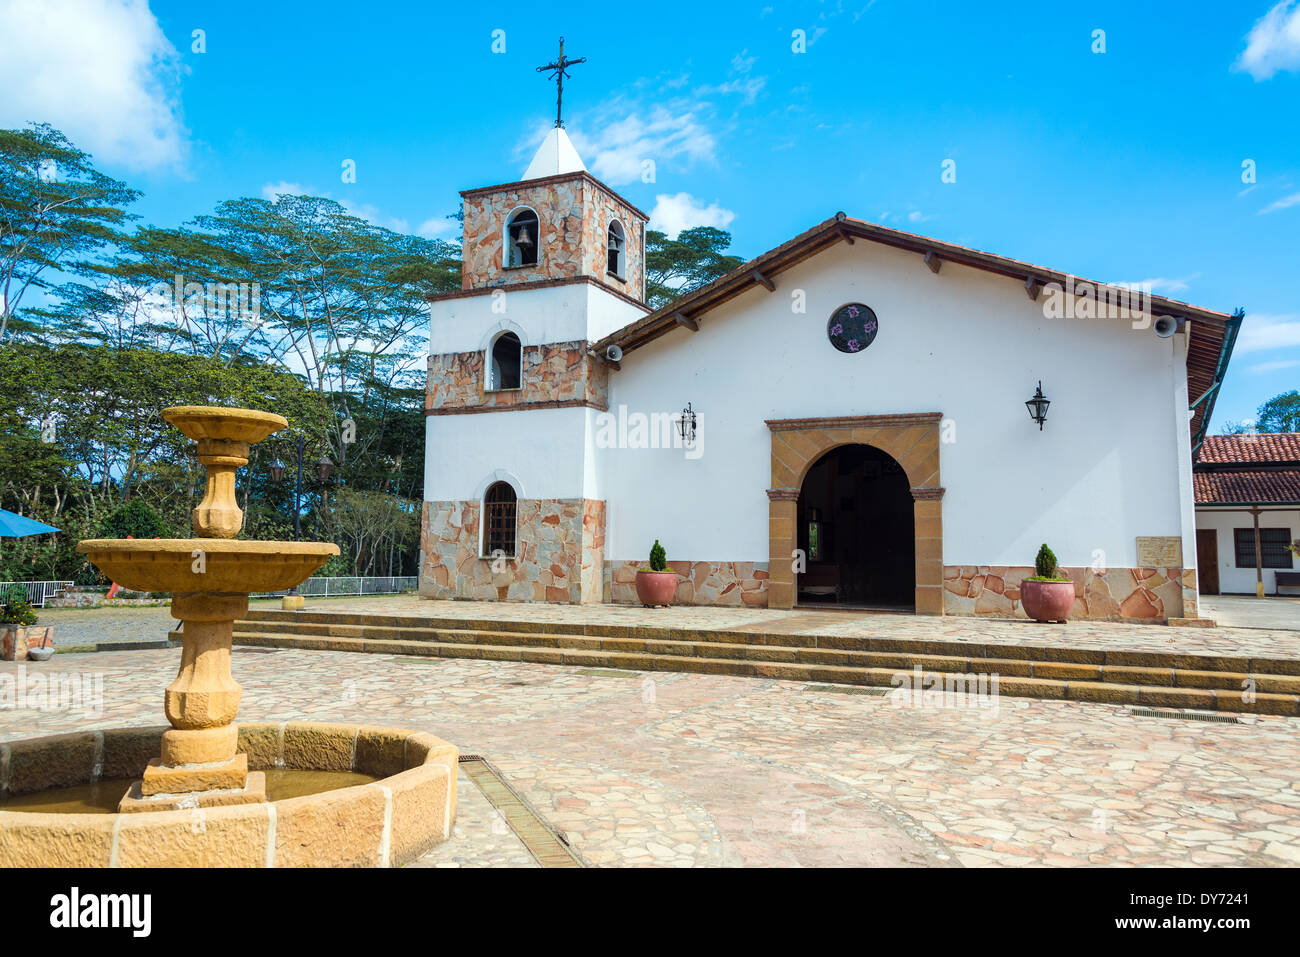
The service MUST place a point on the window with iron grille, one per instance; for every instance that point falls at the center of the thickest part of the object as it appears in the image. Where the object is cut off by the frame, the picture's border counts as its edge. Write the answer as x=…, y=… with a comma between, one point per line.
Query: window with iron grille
x=499, y=530
x=1273, y=549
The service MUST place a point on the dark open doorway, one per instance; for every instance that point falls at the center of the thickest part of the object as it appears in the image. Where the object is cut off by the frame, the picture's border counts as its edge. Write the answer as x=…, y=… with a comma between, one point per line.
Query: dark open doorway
x=856, y=528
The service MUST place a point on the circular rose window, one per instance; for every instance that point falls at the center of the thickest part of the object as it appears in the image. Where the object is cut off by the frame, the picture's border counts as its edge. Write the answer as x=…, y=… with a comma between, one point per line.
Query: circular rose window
x=852, y=328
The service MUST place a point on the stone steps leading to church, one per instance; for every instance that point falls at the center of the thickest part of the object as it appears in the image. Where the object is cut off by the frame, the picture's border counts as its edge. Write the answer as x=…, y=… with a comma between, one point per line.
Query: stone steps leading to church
x=1154, y=687
x=1135, y=666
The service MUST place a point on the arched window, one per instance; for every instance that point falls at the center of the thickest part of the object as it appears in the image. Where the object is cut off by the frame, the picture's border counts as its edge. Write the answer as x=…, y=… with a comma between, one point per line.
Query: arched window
x=505, y=363
x=499, y=520
x=522, y=238
x=617, y=255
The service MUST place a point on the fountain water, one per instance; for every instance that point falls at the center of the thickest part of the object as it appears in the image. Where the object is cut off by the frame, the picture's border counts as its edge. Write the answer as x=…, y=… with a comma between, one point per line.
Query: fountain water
x=203, y=759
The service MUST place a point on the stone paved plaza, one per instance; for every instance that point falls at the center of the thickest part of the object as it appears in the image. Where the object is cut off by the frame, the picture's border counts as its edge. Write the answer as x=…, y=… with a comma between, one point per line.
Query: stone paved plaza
x=664, y=769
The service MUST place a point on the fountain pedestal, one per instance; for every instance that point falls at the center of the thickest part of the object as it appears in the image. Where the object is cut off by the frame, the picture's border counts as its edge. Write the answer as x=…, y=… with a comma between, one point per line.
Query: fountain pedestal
x=200, y=765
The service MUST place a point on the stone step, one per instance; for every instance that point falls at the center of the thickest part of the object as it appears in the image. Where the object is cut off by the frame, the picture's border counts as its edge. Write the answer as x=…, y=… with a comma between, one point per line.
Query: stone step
x=545, y=633
x=1105, y=686
x=1121, y=674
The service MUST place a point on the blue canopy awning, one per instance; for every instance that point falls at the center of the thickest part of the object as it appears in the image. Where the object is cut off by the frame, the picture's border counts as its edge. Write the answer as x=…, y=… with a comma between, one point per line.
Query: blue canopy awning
x=13, y=525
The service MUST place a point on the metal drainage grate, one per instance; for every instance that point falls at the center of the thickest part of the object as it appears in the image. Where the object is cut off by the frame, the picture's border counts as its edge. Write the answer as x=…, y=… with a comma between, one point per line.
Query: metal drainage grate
x=547, y=845
x=848, y=689
x=1185, y=715
x=608, y=673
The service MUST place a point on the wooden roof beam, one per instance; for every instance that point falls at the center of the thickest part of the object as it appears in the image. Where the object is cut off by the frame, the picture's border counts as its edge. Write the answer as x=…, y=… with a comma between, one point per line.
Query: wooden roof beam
x=686, y=321
x=933, y=261
x=1032, y=288
x=764, y=281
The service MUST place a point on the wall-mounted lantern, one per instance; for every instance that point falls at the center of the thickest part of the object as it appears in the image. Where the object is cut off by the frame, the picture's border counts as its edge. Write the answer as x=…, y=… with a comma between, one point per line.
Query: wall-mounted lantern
x=1037, y=406
x=686, y=425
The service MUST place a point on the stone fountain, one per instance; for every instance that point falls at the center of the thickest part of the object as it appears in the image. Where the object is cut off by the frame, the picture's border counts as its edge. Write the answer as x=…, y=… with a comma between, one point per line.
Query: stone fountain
x=210, y=578
x=202, y=763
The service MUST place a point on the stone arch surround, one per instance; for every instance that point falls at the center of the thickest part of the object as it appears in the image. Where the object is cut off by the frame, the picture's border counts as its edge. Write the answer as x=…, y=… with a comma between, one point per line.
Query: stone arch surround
x=913, y=441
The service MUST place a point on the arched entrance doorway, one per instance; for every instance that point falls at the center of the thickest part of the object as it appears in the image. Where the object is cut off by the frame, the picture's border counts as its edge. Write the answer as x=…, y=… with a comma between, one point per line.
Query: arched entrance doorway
x=856, y=527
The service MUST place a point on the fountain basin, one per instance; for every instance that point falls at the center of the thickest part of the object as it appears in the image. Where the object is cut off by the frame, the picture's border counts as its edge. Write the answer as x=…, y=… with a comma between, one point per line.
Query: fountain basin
x=213, y=565
x=216, y=423
x=389, y=822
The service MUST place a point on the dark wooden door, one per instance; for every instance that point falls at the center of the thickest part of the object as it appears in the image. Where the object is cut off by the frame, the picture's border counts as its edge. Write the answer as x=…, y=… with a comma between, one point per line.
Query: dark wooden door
x=1207, y=561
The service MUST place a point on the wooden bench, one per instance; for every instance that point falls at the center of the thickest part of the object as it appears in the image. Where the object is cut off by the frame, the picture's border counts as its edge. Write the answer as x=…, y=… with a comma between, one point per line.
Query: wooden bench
x=1284, y=578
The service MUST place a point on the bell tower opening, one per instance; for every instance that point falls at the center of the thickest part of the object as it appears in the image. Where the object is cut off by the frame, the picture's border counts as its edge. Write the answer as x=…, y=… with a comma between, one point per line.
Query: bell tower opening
x=523, y=238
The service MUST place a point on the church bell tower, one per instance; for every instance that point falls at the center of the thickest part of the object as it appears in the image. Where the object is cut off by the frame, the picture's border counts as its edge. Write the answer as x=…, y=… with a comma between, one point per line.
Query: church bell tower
x=551, y=263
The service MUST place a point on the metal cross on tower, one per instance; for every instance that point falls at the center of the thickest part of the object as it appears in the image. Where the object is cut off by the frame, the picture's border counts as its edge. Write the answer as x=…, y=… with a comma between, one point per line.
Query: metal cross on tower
x=557, y=71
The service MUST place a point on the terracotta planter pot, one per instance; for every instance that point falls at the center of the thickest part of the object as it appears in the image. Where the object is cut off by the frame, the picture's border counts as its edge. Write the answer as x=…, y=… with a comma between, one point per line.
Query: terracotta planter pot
x=656, y=588
x=1047, y=601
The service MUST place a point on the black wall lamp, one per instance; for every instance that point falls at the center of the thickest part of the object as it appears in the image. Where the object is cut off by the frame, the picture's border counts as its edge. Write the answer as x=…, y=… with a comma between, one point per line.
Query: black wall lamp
x=1037, y=406
x=686, y=426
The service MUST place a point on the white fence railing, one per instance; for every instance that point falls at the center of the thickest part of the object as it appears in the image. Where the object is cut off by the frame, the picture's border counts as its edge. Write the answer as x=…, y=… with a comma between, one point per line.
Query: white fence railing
x=37, y=592
x=329, y=587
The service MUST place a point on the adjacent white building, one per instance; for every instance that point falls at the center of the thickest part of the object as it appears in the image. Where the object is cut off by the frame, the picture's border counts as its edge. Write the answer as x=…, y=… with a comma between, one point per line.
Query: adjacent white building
x=1248, y=513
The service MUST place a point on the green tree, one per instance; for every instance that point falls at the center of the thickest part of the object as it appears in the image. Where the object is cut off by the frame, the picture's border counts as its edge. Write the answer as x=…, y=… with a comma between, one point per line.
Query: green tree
x=58, y=215
x=135, y=519
x=676, y=266
x=1279, y=414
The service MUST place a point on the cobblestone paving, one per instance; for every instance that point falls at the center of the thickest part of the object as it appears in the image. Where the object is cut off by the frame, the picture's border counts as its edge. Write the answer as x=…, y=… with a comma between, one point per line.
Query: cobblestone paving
x=480, y=836
x=685, y=769
x=1237, y=611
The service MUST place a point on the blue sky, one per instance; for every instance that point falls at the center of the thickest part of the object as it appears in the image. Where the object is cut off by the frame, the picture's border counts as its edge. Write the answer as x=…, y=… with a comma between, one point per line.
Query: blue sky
x=1123, y=165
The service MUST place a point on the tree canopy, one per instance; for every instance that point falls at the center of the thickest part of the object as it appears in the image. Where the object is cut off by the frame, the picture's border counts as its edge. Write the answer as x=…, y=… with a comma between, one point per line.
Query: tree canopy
x=1279, y=414
x=292, y=305
x=676, y=266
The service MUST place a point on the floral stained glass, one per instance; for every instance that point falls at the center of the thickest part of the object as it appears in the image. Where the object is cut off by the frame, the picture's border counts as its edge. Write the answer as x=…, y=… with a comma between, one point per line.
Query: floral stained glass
x=852, y=328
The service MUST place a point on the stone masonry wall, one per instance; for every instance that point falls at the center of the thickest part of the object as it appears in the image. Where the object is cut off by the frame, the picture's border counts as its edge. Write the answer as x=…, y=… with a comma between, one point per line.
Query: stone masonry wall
x=559, y=543
x=574, y=215
x=699, y=583
x=555, y=372
x=1137, y=594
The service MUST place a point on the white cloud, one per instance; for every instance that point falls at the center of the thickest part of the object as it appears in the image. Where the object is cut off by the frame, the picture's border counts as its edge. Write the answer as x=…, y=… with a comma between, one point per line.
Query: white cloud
x=99, y=70
x=1273, y=43
x=672, y=214
x=1263, y=367
x=1263, y=331
x=361, y=210
x=741, y=63
x=272, y=190
x=1165, y=285
x=1283, y=203
x=616, y=153
x=913, y=216
x=437, y=227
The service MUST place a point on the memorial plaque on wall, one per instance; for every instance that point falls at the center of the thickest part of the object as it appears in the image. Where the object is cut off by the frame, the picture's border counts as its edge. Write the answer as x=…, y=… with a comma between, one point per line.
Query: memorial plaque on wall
x=1160, y=552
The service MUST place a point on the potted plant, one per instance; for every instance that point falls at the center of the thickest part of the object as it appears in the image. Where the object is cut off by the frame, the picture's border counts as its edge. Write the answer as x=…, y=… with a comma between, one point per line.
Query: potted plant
x=657, y=584
x=16, y=634
x=1047, y=595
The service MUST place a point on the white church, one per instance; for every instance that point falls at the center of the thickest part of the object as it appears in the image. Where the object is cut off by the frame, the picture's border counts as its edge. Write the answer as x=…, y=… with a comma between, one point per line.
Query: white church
x=860, y=417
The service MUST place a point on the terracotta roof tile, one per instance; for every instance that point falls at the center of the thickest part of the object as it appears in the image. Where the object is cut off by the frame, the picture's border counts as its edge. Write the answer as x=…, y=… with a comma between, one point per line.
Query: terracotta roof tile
x=1256, y=447
x=1247, y=487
